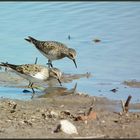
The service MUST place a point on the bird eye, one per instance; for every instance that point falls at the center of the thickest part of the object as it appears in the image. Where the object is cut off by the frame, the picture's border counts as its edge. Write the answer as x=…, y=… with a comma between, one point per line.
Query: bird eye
x=71, y=55
x=55, y=74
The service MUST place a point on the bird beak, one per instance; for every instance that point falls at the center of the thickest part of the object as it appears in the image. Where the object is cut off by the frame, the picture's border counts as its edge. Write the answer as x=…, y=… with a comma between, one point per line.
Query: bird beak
x=75, y=63
x=59, y=82
x=29, y=40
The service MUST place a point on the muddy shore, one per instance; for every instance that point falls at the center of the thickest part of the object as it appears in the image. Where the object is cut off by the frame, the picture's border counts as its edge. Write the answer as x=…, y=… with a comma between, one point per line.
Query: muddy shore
x=93, y=117
x=39, y=117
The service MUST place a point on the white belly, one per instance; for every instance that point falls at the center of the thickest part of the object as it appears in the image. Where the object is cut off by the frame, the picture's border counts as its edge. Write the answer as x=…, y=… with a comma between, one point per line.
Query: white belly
x=41, y=76
x=52, y=55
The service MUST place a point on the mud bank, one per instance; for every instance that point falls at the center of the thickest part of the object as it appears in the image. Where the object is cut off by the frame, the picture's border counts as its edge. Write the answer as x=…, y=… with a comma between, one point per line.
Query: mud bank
x=39, y=117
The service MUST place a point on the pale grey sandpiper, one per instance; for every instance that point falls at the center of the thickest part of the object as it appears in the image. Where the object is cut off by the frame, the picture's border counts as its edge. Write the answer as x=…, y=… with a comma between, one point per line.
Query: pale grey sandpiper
x=53, y=50
x=34, y=72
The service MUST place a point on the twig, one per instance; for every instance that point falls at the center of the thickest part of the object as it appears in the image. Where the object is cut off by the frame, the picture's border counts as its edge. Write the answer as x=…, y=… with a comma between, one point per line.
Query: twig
x=127, y=103
x=122, y=103
x=125, y=106
x=90, y=109
x=14, y=107
x=74, y=89
x=57, y=128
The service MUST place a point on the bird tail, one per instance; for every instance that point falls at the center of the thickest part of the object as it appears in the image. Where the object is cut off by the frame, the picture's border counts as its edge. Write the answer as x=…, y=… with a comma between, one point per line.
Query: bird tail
x=12, y=66
x=31, y=40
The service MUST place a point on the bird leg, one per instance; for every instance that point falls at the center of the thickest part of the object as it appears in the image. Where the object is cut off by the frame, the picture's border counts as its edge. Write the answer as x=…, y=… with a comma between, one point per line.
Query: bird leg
x=49, y=63
x=6, y=67
x=36, y=60
x=31, y=85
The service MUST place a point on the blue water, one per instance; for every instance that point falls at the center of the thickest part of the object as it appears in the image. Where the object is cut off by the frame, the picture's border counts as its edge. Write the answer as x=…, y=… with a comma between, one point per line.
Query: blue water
x=115, y=59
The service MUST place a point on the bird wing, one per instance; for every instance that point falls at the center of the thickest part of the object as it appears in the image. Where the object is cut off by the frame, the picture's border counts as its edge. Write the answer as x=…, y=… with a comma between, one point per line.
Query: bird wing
x=28, y=69
x=46, y=47
x=51, y=46
x=12, y=66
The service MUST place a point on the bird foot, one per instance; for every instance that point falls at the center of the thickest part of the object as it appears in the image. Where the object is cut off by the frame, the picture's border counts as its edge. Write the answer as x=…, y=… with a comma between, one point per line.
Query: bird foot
x=49, y=65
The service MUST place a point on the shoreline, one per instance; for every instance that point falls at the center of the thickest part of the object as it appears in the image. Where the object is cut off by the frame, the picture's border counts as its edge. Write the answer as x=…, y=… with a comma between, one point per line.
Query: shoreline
x=39, y=117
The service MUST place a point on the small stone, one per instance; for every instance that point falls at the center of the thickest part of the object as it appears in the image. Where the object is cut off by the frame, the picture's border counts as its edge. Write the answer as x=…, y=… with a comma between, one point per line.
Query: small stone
x=97, y=40
x=116, y=121
x=27, y=122
x=44, y=115
x=85, y=121
x=114, y=90
x=62, y=106
x=12, y=111
x=67, y=127
x=103, y=121
x=11, y=103
x=66, y=112
x=8, y=120
x=53, y=114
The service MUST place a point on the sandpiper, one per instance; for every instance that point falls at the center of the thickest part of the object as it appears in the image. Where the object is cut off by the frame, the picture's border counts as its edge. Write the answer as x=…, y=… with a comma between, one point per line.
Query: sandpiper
x=34, y=72
x=53, y=50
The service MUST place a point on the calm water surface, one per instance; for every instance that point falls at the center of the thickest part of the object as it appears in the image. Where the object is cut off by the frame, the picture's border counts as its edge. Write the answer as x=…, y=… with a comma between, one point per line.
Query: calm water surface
x=115, y=59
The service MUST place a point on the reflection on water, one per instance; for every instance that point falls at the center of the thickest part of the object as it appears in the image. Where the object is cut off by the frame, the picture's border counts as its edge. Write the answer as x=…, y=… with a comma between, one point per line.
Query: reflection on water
x=57, y=91
x=48, y=89
x=10, y=79
x=114, y=59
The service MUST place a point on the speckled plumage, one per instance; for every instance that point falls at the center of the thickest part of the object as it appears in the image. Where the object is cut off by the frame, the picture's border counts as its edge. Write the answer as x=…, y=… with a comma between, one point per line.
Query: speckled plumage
x=34, y=72
x=53, y=50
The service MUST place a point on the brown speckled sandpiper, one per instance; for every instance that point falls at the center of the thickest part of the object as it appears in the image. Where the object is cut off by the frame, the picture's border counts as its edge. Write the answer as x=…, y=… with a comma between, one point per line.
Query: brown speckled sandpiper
x=53, y=50
x=34, y=72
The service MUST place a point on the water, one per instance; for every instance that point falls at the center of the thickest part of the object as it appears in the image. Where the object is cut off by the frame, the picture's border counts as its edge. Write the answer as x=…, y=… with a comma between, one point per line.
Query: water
x=115, y=59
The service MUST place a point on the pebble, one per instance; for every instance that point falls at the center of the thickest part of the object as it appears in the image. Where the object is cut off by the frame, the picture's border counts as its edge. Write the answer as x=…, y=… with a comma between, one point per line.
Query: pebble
x=103, y=121
x=114, y=90
x=66, y=127
x=53, y=114
x=96, y=40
